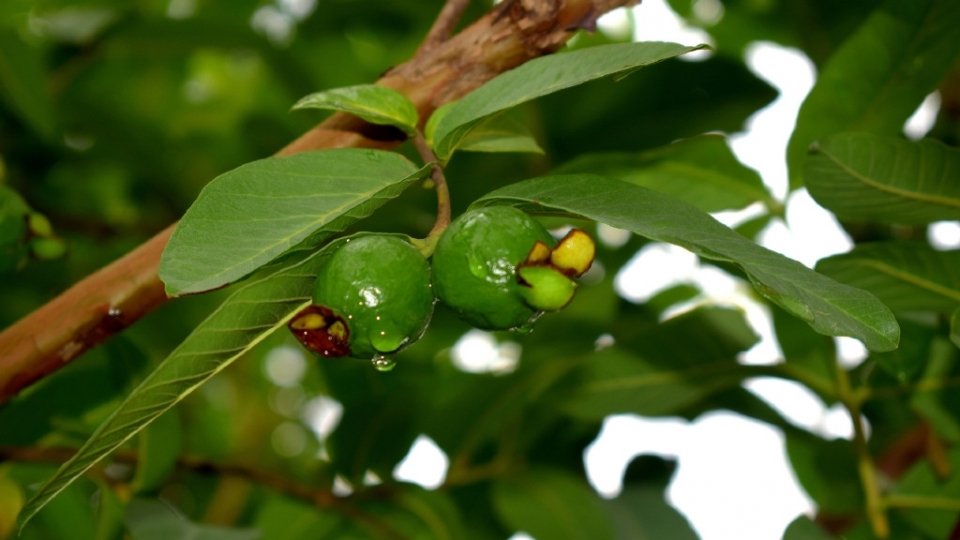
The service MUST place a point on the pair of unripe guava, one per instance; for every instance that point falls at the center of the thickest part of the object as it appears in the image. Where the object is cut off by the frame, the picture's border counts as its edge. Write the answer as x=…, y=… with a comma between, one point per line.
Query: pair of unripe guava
x=497, y=268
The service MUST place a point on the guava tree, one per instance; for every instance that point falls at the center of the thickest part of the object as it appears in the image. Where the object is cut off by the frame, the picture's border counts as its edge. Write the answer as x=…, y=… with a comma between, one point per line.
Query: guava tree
x=458, y=185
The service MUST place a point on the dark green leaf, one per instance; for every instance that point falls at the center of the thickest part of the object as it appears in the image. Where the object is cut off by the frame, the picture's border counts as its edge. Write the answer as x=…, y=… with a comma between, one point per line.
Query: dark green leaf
x=281, y=518
x=243, y=320
x=805, y=349
x=921, y=482
x=641, y=513
x=157, y=520
x=13, y=228
x=827, y=470
x=929, y=404
x=803, y=528
x=864, y=177
x=905, y=276
x=955, y=327
x=249, y=216
x=830, y=307
x=911, y=356
x=701, y=171
x=661, y=370
x=375, y=104
x=109, y=514
x=160, y=444
x=544, y=76
x=500, y=133
x=23, y=84
x=549, y=503
x=880, y=75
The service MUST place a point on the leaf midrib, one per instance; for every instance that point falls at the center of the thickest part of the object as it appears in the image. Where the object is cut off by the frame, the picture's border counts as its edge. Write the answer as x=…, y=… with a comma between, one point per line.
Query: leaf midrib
x=906, y=194
x=909, y=278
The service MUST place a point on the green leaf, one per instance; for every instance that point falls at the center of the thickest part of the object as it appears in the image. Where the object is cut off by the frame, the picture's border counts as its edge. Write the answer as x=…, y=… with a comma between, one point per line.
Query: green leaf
x=247, y=217
x=375, y=104
x=803, y=528
x=661, y=370
x=247, y=317
x=23, y=84
x=930, y=404
x=701, y=171
x=548, y=503
x=937, y=518
x=13, y=228
x=157, y=520
x=544, y=76
x=284, y=518
x=830, y=307
x=865, y=177
x=827, y=470
x=905, y=276
x=160, y=444
x=955, y=327
x=500, y=133
x=640, y=513
x=912, y=354
x=880, y=75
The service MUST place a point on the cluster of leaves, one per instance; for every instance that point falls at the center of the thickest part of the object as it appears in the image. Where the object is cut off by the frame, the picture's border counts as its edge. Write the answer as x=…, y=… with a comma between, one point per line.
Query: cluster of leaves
x=515, y=441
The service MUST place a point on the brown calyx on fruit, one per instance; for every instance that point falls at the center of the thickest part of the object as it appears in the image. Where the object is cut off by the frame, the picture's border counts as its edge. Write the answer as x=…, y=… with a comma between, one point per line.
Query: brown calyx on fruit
x=574, y=254
x=322, y=331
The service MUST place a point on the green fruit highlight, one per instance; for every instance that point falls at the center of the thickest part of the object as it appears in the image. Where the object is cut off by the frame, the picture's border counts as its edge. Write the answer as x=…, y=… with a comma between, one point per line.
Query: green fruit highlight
x=474, y=266
x=378, y=288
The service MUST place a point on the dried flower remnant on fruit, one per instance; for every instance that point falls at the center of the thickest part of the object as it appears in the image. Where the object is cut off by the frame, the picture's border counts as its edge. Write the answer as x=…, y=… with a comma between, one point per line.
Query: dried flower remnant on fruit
x=320, y=330
x=574, y=254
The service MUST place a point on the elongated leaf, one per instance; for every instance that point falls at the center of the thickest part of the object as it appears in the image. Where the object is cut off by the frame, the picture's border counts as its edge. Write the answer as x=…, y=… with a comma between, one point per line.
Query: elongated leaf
x=880, y=75
x=247, y=217
x=701, y=171
x=864, y=177
x=550, y=504
x=905, y=276
x=23, y=85
x=243, y=320
x=544, y=76
x=500, y=133
x=375, y=104
x=160, y=444
x=829, y=307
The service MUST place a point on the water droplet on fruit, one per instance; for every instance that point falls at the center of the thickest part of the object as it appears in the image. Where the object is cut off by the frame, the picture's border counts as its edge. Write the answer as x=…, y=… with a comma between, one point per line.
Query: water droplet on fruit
x=384, y=363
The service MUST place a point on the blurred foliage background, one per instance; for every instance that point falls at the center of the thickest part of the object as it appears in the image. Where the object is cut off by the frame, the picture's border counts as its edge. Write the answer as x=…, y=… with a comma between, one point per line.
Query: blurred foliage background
x=116, y=113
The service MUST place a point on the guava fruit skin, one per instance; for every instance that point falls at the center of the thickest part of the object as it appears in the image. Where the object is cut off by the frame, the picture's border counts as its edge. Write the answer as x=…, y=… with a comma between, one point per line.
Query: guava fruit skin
x=474, y=266
x=379, y=285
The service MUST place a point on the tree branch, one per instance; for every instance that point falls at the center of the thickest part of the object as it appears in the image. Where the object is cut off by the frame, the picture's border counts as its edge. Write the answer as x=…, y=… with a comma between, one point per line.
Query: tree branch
x=116, y=296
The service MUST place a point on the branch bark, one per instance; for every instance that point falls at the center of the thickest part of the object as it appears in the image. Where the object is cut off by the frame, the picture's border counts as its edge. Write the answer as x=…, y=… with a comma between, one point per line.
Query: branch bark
x=116, y=296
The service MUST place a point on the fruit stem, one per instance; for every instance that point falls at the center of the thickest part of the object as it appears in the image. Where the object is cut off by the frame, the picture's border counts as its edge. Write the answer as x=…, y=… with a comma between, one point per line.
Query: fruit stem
x=427, y=245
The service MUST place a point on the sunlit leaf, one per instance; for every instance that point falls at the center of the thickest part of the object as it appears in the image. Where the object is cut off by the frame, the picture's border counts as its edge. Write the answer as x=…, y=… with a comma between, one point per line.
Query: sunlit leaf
x=544, y=76
x=831, y=308
x=500, y=133
x=549, y=503
x=880, y=75
x=375, y=104
x=905, y=276
x=243, y=320
x=247, y=217
x=701, y=171
x=864, y=177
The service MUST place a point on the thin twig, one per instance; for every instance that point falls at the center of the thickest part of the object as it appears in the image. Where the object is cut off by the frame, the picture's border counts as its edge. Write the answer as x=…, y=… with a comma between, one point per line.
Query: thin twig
x=440, y=182
x=446, y=21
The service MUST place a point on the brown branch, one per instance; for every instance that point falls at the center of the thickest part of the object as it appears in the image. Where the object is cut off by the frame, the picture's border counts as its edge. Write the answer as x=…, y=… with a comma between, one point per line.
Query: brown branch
x=444, y=25
x=116, y=296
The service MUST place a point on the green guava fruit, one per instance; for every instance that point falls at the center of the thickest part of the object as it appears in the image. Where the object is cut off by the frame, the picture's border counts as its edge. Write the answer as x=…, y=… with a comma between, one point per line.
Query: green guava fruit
x=372, y=298
x=475, y=266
